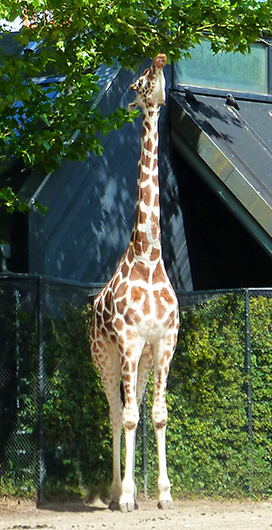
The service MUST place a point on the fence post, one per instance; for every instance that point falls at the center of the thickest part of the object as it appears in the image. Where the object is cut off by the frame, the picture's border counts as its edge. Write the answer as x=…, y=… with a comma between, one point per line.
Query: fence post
x=40, y=394
x=249, y=386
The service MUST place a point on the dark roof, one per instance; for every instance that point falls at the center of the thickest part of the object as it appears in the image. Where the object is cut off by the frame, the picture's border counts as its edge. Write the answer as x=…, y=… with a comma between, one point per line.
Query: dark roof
x=233, y=152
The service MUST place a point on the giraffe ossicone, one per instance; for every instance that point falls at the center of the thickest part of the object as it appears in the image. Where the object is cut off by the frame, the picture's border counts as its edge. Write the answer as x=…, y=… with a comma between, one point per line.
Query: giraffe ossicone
x=136, y=317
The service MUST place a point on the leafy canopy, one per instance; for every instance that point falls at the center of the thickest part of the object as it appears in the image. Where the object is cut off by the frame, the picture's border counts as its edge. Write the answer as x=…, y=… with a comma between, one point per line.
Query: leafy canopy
x=73, y=38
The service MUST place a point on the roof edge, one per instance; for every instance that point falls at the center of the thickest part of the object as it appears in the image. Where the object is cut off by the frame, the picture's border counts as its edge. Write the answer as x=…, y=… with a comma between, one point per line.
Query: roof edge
x=221, y=175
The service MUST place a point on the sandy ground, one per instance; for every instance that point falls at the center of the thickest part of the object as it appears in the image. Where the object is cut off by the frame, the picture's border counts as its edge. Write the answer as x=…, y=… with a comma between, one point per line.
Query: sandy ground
x=198, y=514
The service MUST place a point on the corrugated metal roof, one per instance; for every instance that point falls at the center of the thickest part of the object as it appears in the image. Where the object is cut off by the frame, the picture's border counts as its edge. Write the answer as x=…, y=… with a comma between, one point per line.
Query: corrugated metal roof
x=233, y=150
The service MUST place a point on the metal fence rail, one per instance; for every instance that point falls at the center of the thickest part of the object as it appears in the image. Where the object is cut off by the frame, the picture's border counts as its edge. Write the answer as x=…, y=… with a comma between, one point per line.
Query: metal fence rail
x=54, y=427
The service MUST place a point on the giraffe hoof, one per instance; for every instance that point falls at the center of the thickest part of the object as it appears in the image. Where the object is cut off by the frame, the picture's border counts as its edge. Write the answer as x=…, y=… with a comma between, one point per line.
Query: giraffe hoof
x=128, y=507
x=114, y=505
x=166, y=505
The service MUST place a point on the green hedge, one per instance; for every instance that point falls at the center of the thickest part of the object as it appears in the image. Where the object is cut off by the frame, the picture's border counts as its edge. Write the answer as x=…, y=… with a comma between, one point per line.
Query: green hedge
x=210, y=450
x=261, y=368
x=207, y=438
x=77, y=438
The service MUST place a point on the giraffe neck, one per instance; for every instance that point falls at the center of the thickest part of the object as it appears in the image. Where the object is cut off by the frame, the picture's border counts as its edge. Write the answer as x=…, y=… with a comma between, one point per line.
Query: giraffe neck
x=146, y=234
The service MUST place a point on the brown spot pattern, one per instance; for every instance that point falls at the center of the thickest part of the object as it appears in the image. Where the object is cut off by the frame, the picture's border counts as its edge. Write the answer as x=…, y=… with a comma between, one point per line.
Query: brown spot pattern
x=143, y=217
x=108, y=325
x=155, y=180
x=116, y=282
x=147, y=124
x=98, y=320
x=155, y=225
x=139, y=272
x=148, y=145
x=156, y=200
x=130, y=256
x=158, y=274
x=131, y=335
x=132, y=317
x=99, y=305
x=106, y=315
x=159, y=306
x=154, y=219
x=121, y=291
x=146, y=161
x=138, y=248
x=125, y=365
x=167, y=295
x=155, y=231
x=144, y=176
x=155, y=254
x=136, y=294
x=146, y=195
x=170, y=323
x=141, y=242
x=108, y=301
x=121, y=306
x=125, y=270
x=146, y=305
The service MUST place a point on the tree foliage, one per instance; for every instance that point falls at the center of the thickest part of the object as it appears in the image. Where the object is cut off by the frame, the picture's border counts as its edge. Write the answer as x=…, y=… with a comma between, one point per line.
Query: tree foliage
x=73, y=38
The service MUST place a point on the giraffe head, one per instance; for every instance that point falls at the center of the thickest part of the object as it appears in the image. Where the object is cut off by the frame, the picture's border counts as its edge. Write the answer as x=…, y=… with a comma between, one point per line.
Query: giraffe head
x=150, y=86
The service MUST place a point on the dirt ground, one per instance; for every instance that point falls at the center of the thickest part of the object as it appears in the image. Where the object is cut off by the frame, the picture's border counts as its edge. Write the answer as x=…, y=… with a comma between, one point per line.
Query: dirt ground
x=197, y=514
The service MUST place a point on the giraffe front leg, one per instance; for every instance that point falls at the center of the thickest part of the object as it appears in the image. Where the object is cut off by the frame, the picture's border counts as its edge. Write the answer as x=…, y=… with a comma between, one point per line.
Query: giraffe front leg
x=116, y=486
x=128, y=500
x=165, y=499
x=159, y=419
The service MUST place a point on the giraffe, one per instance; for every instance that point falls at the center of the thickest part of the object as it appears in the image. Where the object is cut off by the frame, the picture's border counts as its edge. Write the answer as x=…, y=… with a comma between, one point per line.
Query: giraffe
x=136, y=318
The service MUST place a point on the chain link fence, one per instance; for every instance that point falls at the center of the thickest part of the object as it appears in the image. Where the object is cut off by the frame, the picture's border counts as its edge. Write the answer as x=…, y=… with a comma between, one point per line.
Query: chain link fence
x=55, y=437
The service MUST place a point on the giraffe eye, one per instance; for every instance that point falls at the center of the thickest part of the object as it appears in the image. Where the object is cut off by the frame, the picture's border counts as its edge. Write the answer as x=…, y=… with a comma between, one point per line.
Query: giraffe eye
x=140, y=83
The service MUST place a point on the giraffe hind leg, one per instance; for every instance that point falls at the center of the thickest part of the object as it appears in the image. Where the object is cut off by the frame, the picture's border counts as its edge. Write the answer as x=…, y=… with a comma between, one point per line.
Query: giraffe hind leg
x=164, y=350
x=144, y=367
